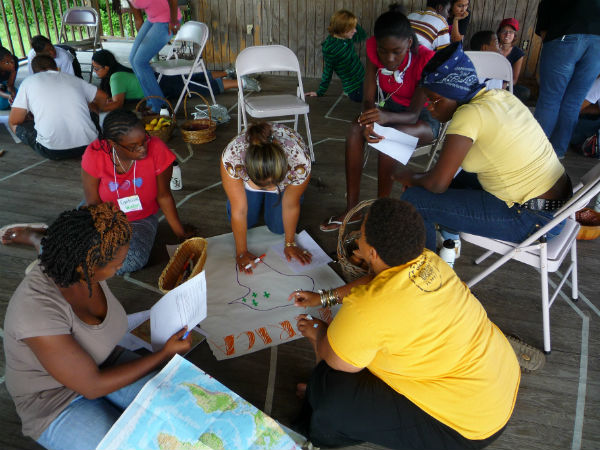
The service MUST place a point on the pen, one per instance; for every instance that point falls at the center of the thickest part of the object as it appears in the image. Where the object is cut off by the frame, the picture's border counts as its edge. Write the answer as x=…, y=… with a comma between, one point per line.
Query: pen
x=256, y=261
x=185, y=335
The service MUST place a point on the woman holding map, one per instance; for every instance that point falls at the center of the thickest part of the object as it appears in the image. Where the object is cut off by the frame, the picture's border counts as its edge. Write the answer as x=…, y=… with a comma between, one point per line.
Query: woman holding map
x=68, y=378
x=267, y=167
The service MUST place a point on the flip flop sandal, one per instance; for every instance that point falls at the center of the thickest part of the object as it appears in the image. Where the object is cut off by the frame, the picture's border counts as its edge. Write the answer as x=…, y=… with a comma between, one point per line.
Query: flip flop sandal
x=333, y=224
x=21, y=225
x=330, y=225
x=530, y=358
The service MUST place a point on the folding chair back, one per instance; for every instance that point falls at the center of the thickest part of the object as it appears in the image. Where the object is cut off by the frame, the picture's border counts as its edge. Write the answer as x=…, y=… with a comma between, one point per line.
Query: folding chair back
x=192, y=31
x=267, y=58
x=86, y=17
x=492, y=65
x=195, y=33
x=271, y=58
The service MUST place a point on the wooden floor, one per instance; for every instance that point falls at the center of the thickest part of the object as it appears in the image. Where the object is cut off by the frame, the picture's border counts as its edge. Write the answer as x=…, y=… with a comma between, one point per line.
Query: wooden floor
x=557, y=407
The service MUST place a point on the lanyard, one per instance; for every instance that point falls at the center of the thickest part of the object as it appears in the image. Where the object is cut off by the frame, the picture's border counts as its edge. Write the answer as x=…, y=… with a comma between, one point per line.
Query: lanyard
x=115, y=173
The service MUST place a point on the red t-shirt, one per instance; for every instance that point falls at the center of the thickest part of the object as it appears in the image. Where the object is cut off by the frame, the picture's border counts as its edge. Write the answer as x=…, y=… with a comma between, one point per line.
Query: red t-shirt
x=98, y=163
x=411, y=77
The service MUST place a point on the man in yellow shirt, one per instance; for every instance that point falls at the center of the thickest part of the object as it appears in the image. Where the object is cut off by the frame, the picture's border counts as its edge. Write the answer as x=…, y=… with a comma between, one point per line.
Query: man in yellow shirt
x=411, y=360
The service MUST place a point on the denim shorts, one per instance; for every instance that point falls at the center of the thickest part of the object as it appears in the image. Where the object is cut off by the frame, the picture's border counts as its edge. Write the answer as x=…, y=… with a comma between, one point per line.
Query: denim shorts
x=392, y=106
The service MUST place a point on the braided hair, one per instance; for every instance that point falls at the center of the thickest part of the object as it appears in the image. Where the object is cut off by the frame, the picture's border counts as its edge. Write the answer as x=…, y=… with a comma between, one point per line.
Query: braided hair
x=81, y=240
x=117, y=124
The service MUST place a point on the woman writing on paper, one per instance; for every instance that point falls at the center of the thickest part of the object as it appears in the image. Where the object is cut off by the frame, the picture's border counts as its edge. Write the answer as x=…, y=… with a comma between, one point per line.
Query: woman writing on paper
x=267, y=167
x=68, y=378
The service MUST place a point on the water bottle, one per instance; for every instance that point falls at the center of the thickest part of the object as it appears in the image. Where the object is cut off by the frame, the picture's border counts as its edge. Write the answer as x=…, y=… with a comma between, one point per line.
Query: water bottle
x=447, y=252
x=176, y=182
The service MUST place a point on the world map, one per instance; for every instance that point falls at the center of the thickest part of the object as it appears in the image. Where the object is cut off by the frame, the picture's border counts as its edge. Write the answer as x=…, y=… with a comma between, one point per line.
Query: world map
x=184, y=408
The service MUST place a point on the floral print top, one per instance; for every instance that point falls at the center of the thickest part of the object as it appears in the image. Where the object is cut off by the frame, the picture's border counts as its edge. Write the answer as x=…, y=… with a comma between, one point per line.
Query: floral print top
x=294, y=147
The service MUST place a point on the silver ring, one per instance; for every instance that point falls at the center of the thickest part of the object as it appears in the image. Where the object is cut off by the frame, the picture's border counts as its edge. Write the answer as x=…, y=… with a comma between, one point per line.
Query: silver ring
x=13, y=235
x=305, y=252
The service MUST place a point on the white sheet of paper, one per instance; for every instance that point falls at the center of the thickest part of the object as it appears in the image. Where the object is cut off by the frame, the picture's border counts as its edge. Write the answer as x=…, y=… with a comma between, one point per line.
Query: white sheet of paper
x=304, y=240
x=396, y=144
x=129, y=341
x=184, y=305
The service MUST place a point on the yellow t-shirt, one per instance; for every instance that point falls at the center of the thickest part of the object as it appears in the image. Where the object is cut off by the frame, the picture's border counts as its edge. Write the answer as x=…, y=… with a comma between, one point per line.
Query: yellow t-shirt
x=511, y=155
x=419, y=329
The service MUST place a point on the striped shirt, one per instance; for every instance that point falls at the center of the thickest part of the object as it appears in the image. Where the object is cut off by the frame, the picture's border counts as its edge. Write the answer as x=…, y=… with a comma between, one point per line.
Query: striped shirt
x=340, y=57
x=431, y=29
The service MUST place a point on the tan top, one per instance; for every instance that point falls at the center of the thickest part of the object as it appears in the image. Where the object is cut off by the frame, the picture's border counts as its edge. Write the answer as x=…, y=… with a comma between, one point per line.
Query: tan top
x=37, y=308
x=511, y=155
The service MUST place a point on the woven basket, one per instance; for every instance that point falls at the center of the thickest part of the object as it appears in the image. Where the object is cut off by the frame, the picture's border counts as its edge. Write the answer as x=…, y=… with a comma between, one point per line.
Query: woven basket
x=169, y=276
x=198, y=131
x=165, y=132
x=351, y=270
x=590, y=224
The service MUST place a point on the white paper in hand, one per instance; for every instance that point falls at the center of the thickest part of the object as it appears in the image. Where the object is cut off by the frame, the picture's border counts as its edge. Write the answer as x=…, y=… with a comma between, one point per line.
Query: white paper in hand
x=396, y=144
x=184, y=305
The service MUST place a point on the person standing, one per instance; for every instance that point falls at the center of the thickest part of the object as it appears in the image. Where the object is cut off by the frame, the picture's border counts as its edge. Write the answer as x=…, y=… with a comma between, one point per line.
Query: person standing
x=162, y=22
x=569, y=64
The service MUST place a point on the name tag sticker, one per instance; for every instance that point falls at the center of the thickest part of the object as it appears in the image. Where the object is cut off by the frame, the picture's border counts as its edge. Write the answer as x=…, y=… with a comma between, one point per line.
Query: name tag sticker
x=130, y=204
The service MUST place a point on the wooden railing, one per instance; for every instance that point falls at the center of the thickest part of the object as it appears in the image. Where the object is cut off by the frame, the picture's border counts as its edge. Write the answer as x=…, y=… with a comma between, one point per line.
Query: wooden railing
x=22, y=19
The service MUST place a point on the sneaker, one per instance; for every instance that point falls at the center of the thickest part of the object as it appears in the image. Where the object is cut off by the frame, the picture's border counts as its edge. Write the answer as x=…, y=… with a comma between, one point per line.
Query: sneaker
x=530, y=358
x=231, y=74
x=591, y=146
x=218, y=113
x=250, y=84
x=176, y=183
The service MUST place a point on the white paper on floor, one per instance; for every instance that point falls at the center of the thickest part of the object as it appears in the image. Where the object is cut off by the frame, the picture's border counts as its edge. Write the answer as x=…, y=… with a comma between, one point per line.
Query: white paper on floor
x=247, y=313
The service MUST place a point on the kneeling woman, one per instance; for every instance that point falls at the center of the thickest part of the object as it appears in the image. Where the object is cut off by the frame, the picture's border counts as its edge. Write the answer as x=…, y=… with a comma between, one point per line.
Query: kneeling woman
x=520, y=181
x=132, y=170
x=267, y=167
x=69, y=380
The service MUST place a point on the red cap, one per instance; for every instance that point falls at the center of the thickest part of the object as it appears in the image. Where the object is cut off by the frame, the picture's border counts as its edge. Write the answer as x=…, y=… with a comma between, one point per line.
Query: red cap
x=511, y=22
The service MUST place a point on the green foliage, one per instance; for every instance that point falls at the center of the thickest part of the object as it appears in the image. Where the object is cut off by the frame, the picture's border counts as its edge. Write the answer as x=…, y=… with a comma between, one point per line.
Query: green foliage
x=20, y=20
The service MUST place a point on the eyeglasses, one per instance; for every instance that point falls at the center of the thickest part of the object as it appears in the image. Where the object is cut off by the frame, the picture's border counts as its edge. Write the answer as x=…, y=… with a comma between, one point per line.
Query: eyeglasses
x=97, y=68
x=434, y=102
x=136, y=148
x=508, y=32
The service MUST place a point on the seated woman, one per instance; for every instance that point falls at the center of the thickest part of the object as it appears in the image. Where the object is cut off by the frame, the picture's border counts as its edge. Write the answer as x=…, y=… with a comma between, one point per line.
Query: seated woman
x=116, y=80
x=507, y=38
x=69, y=380
x=391, y=98
x=133, y=170
x=267, y=167
x=9, y=65
x=520, y=181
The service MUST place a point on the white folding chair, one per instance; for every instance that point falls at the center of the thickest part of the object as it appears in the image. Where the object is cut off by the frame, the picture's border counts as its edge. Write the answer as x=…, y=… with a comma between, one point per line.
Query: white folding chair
x=492, y=65
x=271, y=58
x=430, y=150
x=547, y=257
x=195, y=33
x=81, y=16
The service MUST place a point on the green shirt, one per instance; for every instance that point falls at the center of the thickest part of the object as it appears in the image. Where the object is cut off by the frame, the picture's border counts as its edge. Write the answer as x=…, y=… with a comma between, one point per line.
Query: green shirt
x=339, y=56
x=127, y=83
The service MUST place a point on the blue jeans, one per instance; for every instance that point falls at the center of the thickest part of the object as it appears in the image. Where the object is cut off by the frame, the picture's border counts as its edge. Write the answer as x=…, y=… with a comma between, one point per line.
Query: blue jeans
x=273, y=213
x=150, y=39
x=476, y=212
x=83, y=423
x=143, y=232
x=568, y=67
